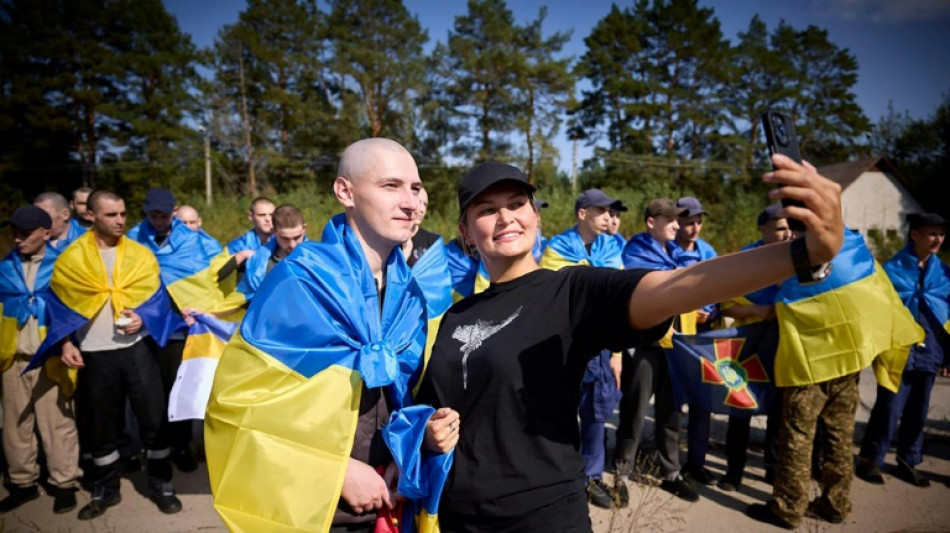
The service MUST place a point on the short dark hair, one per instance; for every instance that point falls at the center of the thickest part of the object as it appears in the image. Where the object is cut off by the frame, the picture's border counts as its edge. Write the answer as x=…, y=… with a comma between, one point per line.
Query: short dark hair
x=260, y=200
x=287, y=216
x=86, y=190
x=98, y=195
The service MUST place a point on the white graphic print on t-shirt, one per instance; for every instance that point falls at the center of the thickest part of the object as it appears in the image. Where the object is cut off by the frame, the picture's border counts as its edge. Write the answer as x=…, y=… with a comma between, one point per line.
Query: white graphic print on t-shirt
x=474, y=335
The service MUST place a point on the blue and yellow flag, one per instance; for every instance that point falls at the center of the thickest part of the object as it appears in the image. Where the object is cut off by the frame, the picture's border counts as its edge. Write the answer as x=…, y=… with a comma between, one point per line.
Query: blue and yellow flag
x=726, y=371
x=282, y=416
x=643, y=251
x=190, y=262
x=75, y=230
x=79, y=289
x=763, y=296
x=204, y=345
x=18, y=304
x=933, y=287
x=246, y=241
x=431, y=272
x=255, y=269
x=568, y=249
x=840, y=325
x=422, y=474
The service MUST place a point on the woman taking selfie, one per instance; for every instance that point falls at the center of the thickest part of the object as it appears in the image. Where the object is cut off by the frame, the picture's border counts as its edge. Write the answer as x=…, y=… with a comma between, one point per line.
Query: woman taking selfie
x=510, y=359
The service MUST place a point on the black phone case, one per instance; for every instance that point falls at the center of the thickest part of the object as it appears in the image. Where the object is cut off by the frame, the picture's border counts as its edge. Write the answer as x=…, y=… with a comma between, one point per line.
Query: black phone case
x=785, y=143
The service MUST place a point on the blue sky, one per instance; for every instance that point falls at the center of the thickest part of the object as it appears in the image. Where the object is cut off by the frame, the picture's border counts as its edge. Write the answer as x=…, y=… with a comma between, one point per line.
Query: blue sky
x=902, y=46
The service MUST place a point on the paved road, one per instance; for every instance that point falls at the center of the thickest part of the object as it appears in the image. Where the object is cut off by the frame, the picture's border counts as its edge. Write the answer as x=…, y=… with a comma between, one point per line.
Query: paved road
x=894, y=507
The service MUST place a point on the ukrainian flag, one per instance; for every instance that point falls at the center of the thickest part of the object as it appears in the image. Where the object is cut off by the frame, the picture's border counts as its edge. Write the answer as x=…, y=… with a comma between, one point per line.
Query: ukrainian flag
x=431, y=272
x=190, y=262
x=422, y=474
x=282, y=416
x=18, y=304
x=933, y=287
x=840, y=325
x=763, y=296
x=79, y=289
x=568, y=249
x=204, y=345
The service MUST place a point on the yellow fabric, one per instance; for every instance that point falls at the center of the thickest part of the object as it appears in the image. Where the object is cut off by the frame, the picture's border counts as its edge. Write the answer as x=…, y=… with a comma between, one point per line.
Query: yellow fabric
x=432, y=332
x=202, y=290
x=687, y=327
x=481, y=283
x=57, y=371
x=552, y=260
x=277, y=443
x=842, y=331
x=427, y=523
x=203, y=345
x=737, y=302
x=8, y=336
x=79, y=276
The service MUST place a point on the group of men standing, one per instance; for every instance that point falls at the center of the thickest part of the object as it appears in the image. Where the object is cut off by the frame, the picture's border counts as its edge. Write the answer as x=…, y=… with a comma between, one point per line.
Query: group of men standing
x=111, y=305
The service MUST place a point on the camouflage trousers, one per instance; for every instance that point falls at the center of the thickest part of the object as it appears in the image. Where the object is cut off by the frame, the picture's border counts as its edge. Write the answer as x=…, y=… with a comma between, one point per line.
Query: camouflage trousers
x=833, y=404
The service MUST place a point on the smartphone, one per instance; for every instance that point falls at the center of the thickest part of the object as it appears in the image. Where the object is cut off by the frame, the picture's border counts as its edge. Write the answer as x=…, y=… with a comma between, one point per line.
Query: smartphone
x=780, y=138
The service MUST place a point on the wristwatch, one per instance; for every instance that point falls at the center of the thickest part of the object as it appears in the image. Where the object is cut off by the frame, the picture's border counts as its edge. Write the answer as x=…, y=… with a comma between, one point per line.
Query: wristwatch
x=804, y=271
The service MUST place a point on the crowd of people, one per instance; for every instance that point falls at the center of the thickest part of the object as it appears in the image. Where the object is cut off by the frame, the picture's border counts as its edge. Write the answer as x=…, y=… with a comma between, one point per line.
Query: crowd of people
x=500, y=353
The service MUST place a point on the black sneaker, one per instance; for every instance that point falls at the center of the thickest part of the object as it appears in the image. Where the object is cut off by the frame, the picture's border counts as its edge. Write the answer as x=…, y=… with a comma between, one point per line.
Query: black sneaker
x=18, y=496
x=698, y=474
x=621, y=495
x=909, y=474
x=164, y=497
x=680, y=488
x=598, y=494
x=729, y=483
x=64, y=500
x=185, y=460
x=102, y=499
x=818, y=510
x=763, y=513
x=869, y=471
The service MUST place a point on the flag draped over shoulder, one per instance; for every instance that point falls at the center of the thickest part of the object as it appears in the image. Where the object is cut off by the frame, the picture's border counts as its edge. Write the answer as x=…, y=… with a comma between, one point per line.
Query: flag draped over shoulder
x=190, y=262
x=726, y=371
x=431, y=272
x=281, y=419
x=643, y=251
x=255, y=270
x=73, y=233
x=246, y=241
x=568, y=249
x=204, y=345
x=18, y=304
x=840, y=325
x=933, y=287
x=79, y=288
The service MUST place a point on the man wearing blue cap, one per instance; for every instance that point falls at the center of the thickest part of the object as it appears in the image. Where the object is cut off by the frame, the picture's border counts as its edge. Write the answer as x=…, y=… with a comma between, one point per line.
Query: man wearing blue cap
x=33, y=402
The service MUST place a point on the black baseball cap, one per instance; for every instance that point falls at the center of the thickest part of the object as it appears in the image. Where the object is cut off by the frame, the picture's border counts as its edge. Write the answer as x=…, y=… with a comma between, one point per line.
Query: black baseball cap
x=769, y=213
x=922, y=220
x=692, y=204
x=481, y=177
x=29, y=217
x=159, y=199
x=618, y=205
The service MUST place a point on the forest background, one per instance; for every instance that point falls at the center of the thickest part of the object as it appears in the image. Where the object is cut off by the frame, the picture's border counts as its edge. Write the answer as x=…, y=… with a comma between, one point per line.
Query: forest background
x=111, y=93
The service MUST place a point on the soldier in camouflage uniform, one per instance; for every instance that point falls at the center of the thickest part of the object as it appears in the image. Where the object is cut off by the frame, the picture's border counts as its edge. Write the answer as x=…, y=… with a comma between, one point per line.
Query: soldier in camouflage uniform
x=834, y=403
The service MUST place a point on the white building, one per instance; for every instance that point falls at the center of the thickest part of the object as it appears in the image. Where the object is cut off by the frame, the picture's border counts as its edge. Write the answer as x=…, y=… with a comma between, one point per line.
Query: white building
x=873, y=195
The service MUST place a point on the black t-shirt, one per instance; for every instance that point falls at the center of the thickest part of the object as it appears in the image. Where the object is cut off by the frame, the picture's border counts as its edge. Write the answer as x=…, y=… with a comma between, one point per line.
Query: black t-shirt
x=421, y=241
x=510, y=360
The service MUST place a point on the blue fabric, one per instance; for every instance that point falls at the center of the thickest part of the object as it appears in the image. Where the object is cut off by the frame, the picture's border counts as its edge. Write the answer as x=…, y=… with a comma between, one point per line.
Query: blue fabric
x=329, y=313
x=853, y=262
x=726, y=371
x=75, y=230
x=926, y=293
x=462, y=269
x=156, y=314
x=183, y=253
x=255, y=269
x=604, y=251
x=422, y=473
x=540, y=243
x=685, y=258
x=598, y=399
x=245, y=241
x=18, y=301
x=908, y=407
x=431, y=272
x=765, y=295
x=643, y=251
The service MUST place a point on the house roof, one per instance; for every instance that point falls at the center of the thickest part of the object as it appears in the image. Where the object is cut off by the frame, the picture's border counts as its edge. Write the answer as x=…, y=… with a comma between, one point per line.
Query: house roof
x=846, y=173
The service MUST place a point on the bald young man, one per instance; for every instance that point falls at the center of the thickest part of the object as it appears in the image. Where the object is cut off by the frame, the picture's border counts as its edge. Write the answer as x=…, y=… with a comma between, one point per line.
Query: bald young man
x=189, y=217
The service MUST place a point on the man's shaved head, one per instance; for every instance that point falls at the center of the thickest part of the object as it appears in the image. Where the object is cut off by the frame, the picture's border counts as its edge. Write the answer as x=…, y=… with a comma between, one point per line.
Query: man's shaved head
x=359, y=158
x=189, y=216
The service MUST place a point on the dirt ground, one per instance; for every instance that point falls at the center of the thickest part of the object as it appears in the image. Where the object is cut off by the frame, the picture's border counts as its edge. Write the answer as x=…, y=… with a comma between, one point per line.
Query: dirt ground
x=894, y=507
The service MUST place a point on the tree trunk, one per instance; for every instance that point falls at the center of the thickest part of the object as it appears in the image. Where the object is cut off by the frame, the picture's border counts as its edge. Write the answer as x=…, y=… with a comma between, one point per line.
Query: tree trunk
x=251, y=177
